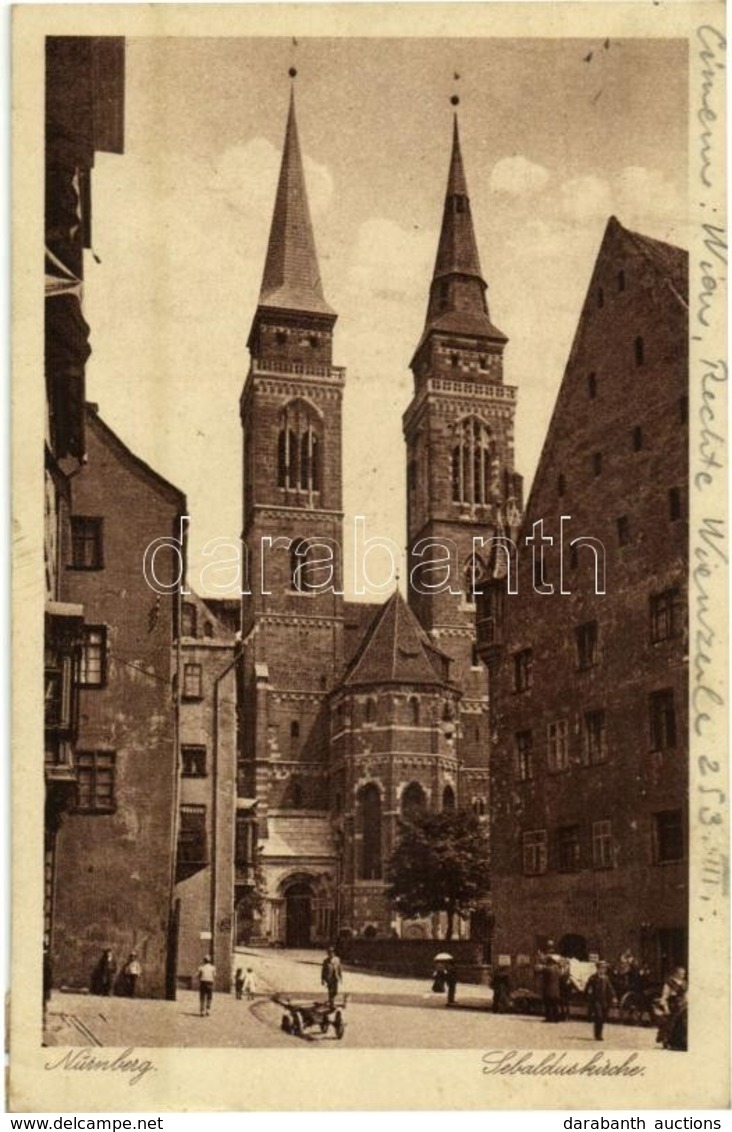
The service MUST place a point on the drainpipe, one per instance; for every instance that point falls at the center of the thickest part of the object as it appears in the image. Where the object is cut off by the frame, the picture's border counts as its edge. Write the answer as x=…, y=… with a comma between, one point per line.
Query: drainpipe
x=215, y=792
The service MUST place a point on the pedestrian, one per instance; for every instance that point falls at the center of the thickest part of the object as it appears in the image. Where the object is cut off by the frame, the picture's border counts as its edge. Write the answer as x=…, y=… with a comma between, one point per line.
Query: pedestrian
x=438, y=980
x=565, y=989
x=250, y=983
x=672, y=1001
x=600, y=996
x=501, y=990
x=132, y=972
x=206, y=976
x=451, y=983
x=331, y=975
x=550, y=989
x=104, y=972
x=239, y=982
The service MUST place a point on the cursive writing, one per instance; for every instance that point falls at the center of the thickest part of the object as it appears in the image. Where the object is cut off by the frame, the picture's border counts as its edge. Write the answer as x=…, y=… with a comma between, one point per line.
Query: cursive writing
x=84, y=1060
x=499, y=1062
x=712, y=41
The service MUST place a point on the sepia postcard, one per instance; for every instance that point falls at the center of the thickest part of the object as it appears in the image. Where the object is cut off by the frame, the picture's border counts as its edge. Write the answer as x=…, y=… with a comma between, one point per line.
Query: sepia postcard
x=370, y=558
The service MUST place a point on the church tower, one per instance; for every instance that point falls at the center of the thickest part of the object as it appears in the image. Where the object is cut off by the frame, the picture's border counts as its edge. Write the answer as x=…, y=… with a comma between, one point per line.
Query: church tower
x=292, y=622
x=460, y=480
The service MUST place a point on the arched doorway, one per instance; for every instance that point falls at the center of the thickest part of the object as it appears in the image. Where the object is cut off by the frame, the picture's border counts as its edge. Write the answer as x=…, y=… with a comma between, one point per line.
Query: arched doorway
x=573, y=946
x=298, y=914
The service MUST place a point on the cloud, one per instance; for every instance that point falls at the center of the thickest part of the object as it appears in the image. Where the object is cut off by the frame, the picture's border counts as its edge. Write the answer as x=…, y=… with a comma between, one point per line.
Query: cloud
x=390, y=262
x=246, y=175
x=586, y=198
x=518, y=177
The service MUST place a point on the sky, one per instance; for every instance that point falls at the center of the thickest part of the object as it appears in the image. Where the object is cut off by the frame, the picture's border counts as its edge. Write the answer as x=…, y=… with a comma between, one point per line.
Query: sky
x=557, y=135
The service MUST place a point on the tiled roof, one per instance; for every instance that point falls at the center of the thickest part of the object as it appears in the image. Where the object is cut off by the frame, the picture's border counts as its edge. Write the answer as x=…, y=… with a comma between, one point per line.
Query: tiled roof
x=396, y=650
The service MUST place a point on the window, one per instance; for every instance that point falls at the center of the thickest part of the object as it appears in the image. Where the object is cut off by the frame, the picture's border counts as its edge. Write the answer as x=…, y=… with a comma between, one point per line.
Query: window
x=93, y=670
x=454, y=360
x=557, y=745
x=663, y=719
x=524, y=756
x=534, y=852
x=596, y=463
x=623, y=526
x=189, y=619
x=194, y=762
x=674, y=504
x=523, y=664
x=483, y=362
x=414, y=710
x=639, y=351
x=61, y=671
x=192, y=682
x=299, y=458
x=475, y=655
x=667, y=615
x=568, y=849
x=472, y=462
x=95, y=774
x=303, y=571
x=413, y=801
x=586, y=642
x=602, y=845
x=668, y=837
x=448, y=799
x=621, y=280
x=479, y=807
x=637, y=438
x=370, y=713
x=86, y=543
x=592, y=386
x=561, y=485
x=295, y=729
x=368, y=825
x=595, y=737
x=192, y=836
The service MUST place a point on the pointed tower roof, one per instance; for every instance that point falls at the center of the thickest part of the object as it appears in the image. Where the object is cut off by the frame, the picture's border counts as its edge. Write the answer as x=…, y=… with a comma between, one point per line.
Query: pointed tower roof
x=396, y=650
x=457, y=250
x=457, y=302
x=291, y=279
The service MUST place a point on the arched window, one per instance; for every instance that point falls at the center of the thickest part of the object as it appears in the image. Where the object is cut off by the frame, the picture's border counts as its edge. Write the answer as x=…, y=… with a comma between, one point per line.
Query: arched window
x=299, y=456
x=448, y=799
x=368, y=825
x=413, y=801
x=414, y=710
x=472, y=462
x=473, y=574
x=370, y=712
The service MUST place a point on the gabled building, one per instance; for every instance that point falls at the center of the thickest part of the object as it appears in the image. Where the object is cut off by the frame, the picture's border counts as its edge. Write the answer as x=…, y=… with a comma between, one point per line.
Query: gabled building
x=588, y=660
x=115, y=849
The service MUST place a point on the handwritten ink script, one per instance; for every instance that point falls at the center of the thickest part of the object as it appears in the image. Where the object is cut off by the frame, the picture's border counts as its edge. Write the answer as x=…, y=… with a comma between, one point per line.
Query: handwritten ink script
x=709, y=551
x=526, y=1063
x=84, y=1061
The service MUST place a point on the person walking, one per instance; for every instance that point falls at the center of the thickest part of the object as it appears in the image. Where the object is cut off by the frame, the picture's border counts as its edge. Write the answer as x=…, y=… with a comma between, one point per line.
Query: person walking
x=550, y=989
x=451, y=982
x=600, y=996
x=239, y=982
x=132, y=972
x=206, y=976
x=331, y=975
x=672, y=1001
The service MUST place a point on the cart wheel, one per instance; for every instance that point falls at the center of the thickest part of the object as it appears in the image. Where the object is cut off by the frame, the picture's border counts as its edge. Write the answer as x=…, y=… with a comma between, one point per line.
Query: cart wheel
x=296, y=1025
x=631, y=1009
x=339, y=1025
x=287, y=1023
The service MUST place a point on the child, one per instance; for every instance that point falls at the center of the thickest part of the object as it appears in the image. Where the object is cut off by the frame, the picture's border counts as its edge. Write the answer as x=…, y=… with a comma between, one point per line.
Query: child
x=249, y=983
x=239, y=982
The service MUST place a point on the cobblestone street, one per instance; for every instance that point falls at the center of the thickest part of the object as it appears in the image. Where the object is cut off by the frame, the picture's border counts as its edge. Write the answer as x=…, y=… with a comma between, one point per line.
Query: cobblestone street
x=381, y=1012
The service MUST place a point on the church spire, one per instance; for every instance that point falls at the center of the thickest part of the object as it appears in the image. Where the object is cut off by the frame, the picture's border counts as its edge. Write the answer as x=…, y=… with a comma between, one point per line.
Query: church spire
x=291, y=279
x=457, y=302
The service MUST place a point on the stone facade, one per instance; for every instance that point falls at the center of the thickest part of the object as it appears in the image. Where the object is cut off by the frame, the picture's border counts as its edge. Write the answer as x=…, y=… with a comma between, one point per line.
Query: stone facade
x=116, y=850
x=589, y=689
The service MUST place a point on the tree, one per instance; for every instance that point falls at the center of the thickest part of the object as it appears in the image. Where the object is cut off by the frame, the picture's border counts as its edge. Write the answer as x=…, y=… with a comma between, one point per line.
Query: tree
x=441, y=864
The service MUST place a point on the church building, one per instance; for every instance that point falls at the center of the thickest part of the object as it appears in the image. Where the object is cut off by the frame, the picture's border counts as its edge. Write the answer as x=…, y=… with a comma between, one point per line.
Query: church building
x=355, y=715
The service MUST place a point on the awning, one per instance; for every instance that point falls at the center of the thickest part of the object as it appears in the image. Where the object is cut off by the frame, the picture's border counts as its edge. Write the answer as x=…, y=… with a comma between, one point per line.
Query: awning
x=246, y=803
x=64, y=609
